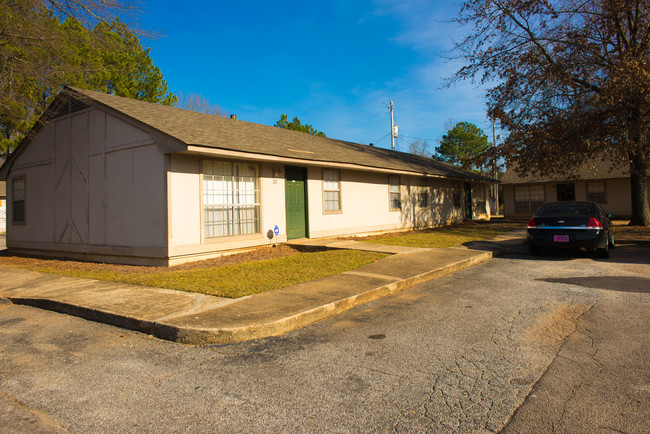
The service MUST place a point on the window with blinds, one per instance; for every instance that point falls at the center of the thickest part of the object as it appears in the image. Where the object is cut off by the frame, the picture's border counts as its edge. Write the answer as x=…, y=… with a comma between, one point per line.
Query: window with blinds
x=528, y=198
x=423, y=193
x=331, y=191
x=231, y=199
x=596, y=191
x=394, y=193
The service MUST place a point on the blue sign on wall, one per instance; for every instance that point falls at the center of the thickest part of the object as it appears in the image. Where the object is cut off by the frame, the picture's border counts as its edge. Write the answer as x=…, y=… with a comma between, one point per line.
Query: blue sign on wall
x=276, y=230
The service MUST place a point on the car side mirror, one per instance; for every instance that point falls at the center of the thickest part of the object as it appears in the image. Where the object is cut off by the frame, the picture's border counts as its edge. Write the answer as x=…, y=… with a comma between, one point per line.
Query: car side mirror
x=611, y=215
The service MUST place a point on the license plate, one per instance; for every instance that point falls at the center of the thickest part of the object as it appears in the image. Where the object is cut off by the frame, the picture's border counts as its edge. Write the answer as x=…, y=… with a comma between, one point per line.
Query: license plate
x=561, y=238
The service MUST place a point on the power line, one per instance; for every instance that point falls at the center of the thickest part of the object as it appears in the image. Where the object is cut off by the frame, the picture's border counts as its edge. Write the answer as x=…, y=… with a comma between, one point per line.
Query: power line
x=418, y=138
x=381, y=139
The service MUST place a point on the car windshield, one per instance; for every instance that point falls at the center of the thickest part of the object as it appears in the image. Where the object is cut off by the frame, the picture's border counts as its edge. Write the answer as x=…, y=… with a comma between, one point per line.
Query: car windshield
x=562, y=209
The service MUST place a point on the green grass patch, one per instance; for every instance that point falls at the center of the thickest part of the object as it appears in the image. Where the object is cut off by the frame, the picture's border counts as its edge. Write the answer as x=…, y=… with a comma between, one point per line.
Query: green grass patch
x=447, y=236
x=241, y=279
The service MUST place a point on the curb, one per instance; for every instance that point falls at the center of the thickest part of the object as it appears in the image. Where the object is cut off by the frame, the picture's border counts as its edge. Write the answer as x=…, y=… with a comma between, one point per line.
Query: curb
x=202, y=336
x=196, y=336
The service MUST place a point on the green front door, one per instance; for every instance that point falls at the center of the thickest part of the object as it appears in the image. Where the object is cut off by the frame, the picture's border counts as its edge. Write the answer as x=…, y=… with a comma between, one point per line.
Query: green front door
x=295, y=197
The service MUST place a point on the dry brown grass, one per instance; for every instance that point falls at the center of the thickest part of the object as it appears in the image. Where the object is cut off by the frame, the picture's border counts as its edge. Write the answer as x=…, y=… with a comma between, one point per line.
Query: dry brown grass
x=233, y=276
x=446, y=236
x=630, y=234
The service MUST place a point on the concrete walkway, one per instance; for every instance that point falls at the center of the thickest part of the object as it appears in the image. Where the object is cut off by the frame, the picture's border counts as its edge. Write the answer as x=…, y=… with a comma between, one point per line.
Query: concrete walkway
x=200, y=319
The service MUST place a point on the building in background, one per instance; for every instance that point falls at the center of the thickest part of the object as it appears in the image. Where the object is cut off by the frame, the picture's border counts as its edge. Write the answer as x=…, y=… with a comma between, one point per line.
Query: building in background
x=594, y=181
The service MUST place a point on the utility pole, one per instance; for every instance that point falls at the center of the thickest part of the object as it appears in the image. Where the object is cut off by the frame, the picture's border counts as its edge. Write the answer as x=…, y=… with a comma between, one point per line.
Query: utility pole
x=392, y=126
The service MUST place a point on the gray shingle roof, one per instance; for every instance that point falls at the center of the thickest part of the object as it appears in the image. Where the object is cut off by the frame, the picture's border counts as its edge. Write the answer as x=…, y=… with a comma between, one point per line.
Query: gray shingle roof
x=589, y=170
x=200, y=129
x=210, y=131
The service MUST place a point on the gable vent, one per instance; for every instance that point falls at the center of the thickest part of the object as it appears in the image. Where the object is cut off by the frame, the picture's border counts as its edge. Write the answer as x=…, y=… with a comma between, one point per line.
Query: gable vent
x=69, y=106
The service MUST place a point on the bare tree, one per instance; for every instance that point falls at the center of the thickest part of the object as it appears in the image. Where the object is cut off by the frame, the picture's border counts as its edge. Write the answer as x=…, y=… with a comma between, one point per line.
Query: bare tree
x=91, y=12
x=449, y=124
x=419, y=147
x=197, y=103
x=573, y=80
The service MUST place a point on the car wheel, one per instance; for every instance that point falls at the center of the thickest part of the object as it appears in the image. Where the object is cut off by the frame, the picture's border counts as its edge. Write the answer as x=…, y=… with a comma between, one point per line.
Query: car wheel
x=534, y=250
x=603, y=253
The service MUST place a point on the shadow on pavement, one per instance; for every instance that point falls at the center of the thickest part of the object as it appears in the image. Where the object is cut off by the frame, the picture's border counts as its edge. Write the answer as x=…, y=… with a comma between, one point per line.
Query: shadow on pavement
x=611, y=283
x=623, y=254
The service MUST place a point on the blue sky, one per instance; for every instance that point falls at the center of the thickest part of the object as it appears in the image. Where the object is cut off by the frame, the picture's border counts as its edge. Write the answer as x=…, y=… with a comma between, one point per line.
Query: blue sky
x=333, y=63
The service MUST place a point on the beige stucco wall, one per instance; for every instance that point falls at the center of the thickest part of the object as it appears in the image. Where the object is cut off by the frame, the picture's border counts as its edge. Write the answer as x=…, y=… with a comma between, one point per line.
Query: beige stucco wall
x=364, y=207
x=619, y=197
x=617, y=191
x=365, y=204
x=186, y=240
x=94, y=186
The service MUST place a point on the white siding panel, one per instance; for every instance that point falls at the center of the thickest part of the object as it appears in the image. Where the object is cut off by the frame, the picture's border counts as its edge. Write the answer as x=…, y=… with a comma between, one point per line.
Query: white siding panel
x=119, y=198
x=79, y=180
x=96, y=202
x=62, y=210
x=61, y=146
x=149, y=197
x=79, y=144
x=119, y=133
x=62, y=181
x=78, y=206
x=39, y=224
x=96, y=132
x=39, y=149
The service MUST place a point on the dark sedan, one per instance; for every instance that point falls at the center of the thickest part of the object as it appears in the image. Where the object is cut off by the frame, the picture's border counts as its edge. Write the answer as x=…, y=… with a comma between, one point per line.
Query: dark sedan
x=571, y=225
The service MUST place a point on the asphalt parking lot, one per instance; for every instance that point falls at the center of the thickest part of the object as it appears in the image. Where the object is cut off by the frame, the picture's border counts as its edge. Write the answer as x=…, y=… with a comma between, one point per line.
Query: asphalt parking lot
x=521, y=344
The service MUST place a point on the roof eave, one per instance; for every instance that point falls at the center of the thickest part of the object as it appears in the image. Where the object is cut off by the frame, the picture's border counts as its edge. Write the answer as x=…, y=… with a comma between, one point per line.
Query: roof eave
x=197, y=149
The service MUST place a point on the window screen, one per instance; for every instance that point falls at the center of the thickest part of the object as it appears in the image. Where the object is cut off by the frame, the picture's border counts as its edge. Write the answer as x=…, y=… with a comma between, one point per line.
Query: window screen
x=455, y=192
x=331, y=190
x=231, y=199
x=596, y=191
x=18, y=200
x=528, y=198
x=394, y=193
x=423, y=193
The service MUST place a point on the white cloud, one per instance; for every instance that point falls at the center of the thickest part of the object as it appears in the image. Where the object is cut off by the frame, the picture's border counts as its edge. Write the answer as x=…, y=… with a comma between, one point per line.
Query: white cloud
x=422, y=103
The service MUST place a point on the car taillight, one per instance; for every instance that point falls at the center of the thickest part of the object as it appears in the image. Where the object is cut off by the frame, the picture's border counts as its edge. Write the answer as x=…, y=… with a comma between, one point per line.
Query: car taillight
x=532, y=224
x=594, y=224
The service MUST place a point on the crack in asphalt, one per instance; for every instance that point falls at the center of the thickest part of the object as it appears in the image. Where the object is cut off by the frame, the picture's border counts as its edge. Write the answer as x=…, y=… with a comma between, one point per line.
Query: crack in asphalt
x=482, y=388
x=555, y=357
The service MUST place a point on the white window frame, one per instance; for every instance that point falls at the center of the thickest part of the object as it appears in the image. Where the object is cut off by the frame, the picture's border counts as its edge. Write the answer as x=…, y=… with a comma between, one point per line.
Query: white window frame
x=456, y=194
x=230, y=199
x=394, y=191
x=332, y=191
x=423, y=193
x=527, y=198
x=15, y=194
